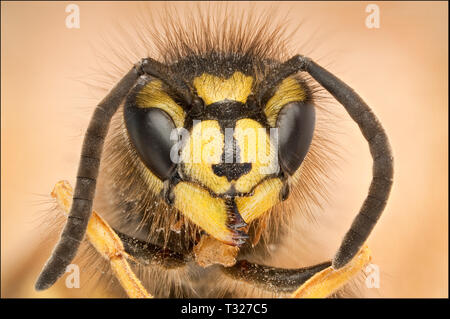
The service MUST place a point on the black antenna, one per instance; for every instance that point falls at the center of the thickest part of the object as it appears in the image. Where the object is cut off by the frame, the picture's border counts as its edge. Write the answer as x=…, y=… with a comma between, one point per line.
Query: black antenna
x=373, y=132
x=88, y=168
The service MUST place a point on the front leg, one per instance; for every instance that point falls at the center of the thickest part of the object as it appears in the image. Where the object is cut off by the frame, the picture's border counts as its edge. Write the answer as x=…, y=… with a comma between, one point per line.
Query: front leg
x=106, y=242
x=318, y=281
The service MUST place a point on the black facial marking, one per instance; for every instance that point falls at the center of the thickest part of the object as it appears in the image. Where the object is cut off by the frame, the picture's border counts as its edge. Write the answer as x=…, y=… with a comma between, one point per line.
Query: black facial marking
x=231, y=167
x=232, y=171
x=226, y=113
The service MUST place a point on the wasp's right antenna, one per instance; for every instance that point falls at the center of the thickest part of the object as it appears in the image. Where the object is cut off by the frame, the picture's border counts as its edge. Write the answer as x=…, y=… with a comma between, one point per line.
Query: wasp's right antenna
x=91, y=152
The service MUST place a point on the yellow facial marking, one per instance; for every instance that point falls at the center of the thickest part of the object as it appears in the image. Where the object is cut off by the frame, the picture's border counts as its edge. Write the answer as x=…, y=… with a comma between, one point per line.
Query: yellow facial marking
x=203, y=149
x=266, y=195
x=255, y=147
x=213, y=89
x=152, y=95
x=289, y=90
x=207, y=212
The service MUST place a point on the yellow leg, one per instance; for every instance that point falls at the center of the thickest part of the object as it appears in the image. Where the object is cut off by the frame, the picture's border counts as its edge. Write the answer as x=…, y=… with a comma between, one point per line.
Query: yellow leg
x=106, y=242
x=329, y=280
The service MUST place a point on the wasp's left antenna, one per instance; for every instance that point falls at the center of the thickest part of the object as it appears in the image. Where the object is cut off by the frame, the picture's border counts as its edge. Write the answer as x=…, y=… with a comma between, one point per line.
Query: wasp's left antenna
x=373, y=132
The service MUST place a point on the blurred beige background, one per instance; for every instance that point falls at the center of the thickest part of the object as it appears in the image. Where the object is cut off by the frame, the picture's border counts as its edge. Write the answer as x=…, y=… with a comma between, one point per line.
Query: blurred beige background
x=400, y=69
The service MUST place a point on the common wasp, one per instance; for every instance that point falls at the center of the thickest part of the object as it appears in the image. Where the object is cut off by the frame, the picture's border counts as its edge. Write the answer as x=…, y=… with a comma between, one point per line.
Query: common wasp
x=193, y=161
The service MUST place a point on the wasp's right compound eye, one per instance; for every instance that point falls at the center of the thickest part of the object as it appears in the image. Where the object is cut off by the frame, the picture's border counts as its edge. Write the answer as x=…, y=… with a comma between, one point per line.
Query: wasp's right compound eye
x=149, y=131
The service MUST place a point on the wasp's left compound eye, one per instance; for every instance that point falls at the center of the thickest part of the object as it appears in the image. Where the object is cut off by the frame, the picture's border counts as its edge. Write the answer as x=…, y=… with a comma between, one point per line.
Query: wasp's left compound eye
x=296, y=128
x=149, y=130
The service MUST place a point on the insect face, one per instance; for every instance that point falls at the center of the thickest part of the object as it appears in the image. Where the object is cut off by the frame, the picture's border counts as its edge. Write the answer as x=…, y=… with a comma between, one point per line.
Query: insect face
x=226, y=160
x=207, y=141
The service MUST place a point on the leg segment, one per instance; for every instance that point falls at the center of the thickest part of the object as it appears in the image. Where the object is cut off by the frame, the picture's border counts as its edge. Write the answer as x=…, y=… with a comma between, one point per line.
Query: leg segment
x=148, y=254
x=319, y=281
x=329, y=280
x=273, y=279
x=107, y=243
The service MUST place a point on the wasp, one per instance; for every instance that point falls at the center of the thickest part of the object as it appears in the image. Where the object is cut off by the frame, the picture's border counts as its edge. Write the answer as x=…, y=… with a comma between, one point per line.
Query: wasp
x=197, y=156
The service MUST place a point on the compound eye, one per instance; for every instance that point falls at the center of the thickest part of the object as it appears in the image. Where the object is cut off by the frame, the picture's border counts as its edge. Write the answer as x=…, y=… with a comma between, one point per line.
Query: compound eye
x=149, y=130
x=295, y=124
